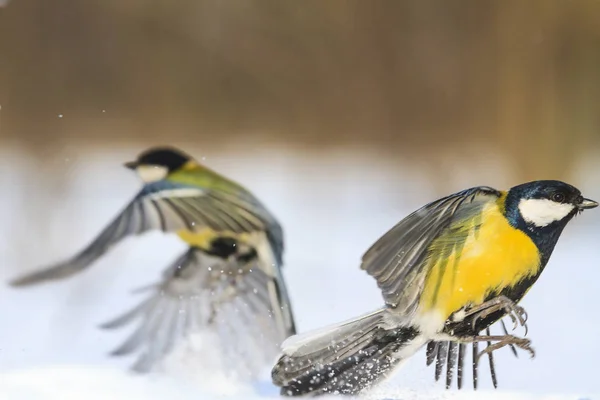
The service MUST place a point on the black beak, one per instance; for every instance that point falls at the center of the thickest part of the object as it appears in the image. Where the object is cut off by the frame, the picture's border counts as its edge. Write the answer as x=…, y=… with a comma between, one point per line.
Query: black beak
x=587, y=204
x=131, y=164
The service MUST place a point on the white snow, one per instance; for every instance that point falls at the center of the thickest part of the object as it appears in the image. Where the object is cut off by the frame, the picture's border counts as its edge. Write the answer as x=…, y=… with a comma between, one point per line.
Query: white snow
x=95, y=383
x=332, y=208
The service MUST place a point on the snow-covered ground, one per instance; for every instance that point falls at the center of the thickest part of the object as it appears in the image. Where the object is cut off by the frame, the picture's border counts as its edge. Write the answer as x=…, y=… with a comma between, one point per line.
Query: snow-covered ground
x=332, y=208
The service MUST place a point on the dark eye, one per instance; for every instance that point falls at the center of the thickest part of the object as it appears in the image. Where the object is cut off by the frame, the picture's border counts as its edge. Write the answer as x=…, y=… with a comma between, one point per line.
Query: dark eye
x=558, y=197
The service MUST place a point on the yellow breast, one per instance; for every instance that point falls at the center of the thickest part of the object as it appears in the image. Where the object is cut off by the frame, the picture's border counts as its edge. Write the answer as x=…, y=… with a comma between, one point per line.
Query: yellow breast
x=201, y=239
x=494, y=257
x=204, y=237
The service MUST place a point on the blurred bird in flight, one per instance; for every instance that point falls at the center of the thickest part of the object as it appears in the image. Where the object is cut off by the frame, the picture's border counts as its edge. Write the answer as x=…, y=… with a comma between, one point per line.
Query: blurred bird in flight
x=447, y=272
x=228, y=281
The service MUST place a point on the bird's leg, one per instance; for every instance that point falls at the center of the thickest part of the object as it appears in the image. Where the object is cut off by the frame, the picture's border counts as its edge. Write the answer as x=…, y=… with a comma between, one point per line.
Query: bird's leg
x=512, y=346
x=509, y=340
x=517, y=314
x=501, y=341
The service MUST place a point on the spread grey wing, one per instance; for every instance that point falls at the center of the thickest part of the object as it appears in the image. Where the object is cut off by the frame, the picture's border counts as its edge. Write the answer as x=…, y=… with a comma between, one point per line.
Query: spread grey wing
x=396, y=260
x=170, y=207
x=232, y=298
x=269, y=262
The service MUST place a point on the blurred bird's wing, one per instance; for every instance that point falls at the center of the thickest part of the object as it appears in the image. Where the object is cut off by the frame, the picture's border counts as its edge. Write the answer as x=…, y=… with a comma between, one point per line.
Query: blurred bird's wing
x=171, y=207
x=233, y=298
x=397, y=260
x=269, y=262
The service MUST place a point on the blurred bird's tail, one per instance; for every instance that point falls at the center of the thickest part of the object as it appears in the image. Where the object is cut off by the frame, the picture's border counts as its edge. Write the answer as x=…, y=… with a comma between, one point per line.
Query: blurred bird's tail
x=229, y=303
x=345, y=358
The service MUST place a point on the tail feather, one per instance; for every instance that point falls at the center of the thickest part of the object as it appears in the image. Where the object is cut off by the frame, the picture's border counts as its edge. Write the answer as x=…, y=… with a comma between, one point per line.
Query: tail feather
x=343, y=359
x=348, y=375
x=300, y=352
x=442, y=354
x=451, y=360
x=130, y=315
x=431, y=353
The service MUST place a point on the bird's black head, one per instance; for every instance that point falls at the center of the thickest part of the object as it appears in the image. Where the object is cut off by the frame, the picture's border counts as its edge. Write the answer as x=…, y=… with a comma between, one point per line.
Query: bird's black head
x=156, y=163
x=543, y=208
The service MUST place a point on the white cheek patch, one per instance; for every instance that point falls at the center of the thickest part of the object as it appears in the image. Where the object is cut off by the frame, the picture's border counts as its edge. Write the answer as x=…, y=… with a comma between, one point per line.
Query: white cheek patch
x=152, y=173
x=543, y=212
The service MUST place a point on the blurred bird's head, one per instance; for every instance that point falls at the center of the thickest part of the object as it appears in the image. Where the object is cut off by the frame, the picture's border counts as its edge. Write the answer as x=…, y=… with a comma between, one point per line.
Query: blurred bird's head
x=542, y=205
x=157, y=163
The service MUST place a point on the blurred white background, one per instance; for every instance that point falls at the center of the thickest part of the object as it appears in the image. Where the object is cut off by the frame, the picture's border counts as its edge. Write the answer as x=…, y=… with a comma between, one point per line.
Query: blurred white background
x=332, y=208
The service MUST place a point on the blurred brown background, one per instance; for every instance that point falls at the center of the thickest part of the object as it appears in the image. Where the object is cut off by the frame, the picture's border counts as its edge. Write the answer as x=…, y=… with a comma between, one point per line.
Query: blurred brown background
x=410, y=79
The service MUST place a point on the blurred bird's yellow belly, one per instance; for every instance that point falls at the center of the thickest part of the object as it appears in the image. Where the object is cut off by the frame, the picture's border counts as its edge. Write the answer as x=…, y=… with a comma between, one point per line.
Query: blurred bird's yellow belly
x=204, y=237
x=497, y=256
x=201, y=239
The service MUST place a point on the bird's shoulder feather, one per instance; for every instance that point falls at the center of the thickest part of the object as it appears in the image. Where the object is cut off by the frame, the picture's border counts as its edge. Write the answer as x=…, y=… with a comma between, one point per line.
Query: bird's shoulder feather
x=397, y=260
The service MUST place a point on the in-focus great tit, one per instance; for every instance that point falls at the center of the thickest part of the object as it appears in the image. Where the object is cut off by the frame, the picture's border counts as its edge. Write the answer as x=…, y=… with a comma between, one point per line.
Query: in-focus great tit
x=447, y=272
x=229, y=280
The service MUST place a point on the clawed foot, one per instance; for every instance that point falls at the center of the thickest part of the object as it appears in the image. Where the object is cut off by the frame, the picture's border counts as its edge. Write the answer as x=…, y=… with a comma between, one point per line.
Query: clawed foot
x=509, y=340
x=517, y=314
